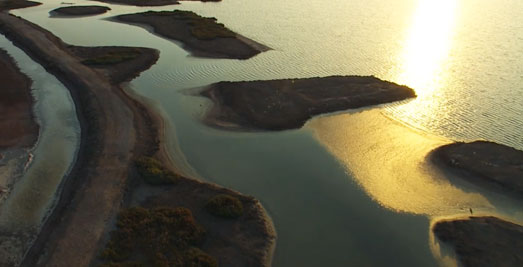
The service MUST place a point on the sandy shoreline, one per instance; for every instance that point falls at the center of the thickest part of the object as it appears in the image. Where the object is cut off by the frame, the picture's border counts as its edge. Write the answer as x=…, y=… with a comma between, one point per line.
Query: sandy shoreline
x=74, y=232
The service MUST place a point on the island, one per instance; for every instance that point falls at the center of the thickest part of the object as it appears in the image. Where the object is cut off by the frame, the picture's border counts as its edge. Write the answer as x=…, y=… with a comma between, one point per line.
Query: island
x=79, y=10
x=289, y=103
x=16, y=4
x=203, y=37
x=150, y=2
x=122, y=169
x=16, y=106
x=483, y=241
x=492, y=165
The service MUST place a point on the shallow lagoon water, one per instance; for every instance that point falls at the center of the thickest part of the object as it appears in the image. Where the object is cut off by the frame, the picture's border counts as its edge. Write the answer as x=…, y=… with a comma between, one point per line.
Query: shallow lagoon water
x=323, y=211
x=35, y=187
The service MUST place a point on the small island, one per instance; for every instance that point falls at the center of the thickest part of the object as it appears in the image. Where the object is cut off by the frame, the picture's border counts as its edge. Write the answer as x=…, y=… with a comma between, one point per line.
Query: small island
x=150, y=2
x=288, y=104
x=486, y=163
x=142, y=2
x=483, y=241
x=79, y=10
x=201, y=36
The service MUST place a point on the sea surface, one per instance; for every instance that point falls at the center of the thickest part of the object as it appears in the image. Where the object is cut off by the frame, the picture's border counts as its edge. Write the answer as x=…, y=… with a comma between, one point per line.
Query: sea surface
x=353, y=188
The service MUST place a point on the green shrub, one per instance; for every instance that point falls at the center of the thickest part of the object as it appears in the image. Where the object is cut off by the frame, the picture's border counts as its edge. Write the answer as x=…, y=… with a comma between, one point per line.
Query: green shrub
x=225, y=206
x=153, y=172
x=156, y=237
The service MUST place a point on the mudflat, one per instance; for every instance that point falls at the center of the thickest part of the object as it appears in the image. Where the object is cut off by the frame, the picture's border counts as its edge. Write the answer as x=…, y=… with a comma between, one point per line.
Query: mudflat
x=289, y=103
x=485, y=163
x=201, y=36
x=16, y=106
x=483, y=241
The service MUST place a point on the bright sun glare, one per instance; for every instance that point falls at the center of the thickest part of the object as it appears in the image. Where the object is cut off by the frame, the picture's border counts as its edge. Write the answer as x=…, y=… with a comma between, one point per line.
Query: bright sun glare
x=428, y=45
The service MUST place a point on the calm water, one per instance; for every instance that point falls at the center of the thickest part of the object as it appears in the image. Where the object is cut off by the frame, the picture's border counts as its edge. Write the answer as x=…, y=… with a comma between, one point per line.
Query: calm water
x=333, y=188
x=33, y=194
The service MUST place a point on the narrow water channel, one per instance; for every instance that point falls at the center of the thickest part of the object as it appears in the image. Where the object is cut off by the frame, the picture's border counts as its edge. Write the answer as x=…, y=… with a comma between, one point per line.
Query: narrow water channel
x=34, y=192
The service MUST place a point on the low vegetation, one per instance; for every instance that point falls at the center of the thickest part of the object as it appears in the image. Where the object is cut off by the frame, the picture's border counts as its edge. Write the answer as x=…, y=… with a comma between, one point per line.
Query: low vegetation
x=154, y=173
x=156, y=237
x=225, y=206
x=200, y=27
x=112, y=58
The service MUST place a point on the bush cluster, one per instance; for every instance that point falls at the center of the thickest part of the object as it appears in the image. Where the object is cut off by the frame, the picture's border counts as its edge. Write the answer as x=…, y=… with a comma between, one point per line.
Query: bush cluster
x=154, y=173
x=156, y=237
x=225, y=206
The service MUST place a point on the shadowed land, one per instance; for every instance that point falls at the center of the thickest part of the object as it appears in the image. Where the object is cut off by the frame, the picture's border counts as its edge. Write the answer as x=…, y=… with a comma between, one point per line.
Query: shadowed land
x=16, y=4
x=201, y=36
x=17, y=124
x=288, y=104
x=79, y=10
x=483, y=241
x=151, y=2
x=486, y=163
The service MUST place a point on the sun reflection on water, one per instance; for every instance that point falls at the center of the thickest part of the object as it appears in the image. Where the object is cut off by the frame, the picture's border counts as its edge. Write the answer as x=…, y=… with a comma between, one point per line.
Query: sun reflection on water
x=428, y=46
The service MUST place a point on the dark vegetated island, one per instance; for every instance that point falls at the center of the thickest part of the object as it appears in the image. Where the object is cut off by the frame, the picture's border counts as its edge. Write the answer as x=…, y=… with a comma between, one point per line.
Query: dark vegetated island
x=485, y=162
x=150, y=2
x=483, y=241
x=142, y=2
x=80, y=10
x=15, y=4
x=289, y=103
x=17, y=124
x=199, y=35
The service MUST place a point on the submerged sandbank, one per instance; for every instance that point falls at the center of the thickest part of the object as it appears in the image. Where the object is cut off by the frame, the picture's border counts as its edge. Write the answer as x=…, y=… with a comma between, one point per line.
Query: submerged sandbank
x=390, y=161
x=201, y=36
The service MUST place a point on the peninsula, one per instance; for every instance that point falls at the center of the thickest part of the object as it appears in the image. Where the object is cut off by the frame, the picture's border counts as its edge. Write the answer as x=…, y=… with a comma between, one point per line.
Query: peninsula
x=201, y=36
x=288, y=104
x=117, y=131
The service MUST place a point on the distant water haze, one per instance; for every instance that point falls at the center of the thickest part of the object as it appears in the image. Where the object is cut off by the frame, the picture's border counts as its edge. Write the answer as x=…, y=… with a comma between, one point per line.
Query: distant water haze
x=352, y=188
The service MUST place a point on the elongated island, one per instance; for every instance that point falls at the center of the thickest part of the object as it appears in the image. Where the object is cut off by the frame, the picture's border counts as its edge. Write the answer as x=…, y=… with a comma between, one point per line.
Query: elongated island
x=289, y=103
